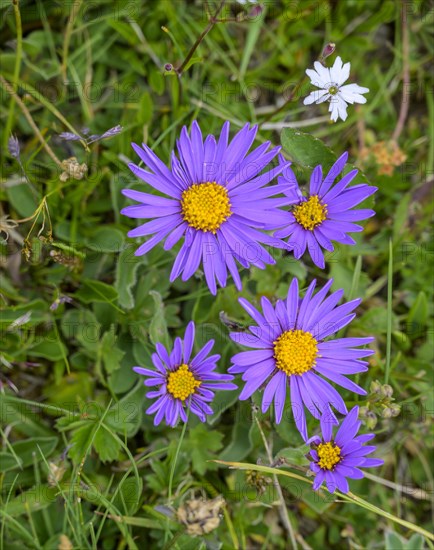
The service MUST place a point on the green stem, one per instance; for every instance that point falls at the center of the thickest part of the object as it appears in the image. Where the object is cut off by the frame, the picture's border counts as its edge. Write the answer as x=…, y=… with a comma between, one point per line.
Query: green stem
x=73, y=14
x=348, y=497
x=282, y=506
x=389, y=312
x=18, y=57
x=175, y=458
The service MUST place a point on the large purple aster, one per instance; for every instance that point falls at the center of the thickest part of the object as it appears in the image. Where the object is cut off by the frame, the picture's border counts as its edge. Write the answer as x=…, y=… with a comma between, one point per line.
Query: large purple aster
x=183, y=382
x=291, y=349
x=326, y=214
x=217, y=201
x=334, y=459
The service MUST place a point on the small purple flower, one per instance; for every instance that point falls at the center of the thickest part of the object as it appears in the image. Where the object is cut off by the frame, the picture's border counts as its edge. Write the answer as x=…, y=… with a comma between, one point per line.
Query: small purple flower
x=326, y=214
x=292, y=350
x=69, y=136
x=14, y=147
x=336, y=459
x=183, y=383
x=216, y=200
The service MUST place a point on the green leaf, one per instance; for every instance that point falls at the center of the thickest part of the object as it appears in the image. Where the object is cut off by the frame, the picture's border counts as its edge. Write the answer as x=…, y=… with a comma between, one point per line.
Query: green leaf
x=106, y=445
x=49, y=348
x=126, y=276
x=81, y=441
x=296, y=456
x=241, y=439
x=81, y=325
x=418, y=314
x=37, y=498
x=125, y=417
x=96, y=291
x=201, y=445
x=416, y=542
x=9, y=462
x=158, y=327
x=27, y=449
x=110, y=353
x=255, y=27
x=306, y=150
x=22, y=199
x=125, y=30
x=146, y=108
x=394, y=541
x=128, y=498
x=106, y=239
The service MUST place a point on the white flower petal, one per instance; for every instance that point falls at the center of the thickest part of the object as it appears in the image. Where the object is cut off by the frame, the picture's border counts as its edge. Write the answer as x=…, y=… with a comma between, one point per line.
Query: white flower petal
x=333, y=109
x=352, y=98
x=338, y=108
x=318, y=96
x=335, y=70
x=324, y=74
x=342, y=108
x=344, y=74
x=311, y=98
x=354, y=88
x=315, y=78
x=325, y=97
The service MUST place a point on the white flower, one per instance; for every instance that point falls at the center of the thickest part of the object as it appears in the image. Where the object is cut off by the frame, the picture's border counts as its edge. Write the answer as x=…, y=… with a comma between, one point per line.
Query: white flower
x=330, y=81
x=245, y=1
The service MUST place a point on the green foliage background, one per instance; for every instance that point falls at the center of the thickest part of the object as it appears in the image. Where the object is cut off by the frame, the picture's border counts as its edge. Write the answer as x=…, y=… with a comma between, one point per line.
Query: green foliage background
x=80, y=462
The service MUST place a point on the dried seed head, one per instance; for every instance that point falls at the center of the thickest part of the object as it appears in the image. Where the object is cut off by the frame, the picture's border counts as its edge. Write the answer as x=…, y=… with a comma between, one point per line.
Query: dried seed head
x=200, y=516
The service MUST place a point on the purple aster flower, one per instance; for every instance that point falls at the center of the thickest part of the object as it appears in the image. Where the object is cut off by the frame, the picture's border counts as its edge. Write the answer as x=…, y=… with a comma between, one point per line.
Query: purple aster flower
x=326, y=214
x=183, y=382
x=216, y=200
x=292, y=350
x=336, y=459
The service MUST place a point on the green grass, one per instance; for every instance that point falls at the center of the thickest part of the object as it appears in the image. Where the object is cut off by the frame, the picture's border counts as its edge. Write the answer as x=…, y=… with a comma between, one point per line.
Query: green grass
x=81, y=464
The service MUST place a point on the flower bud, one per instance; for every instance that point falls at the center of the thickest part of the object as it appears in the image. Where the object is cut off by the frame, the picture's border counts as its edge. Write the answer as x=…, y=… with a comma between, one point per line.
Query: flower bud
x=375, y=387
x=328, y=50
x=387, y=390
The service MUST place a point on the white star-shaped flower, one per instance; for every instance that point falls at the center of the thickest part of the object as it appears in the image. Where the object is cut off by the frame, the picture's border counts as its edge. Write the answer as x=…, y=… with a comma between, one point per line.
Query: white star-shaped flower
x=330, y=81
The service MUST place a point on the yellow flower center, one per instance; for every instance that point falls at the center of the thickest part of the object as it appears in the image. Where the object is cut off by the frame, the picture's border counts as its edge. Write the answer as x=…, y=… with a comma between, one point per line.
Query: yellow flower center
x=329, y=455
x=181, y=383
x=310, y=213
x=333, y=90
x=295, y=351
x=205, y=206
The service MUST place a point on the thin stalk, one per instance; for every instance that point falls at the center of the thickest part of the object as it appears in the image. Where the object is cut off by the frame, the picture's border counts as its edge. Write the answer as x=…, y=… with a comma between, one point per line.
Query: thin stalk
x=9, y=88
x=18, y=57
x=389, y=312
x=175, y=458
x=73, y=14
x=282, y=506
x=405, y=101
x=348, y=497
x=212, y=21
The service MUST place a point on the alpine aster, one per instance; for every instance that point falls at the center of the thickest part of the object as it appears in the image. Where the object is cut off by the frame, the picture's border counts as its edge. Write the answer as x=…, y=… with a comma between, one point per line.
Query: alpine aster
x=334, y=459
x=218, y=200
x=291, y=350
x=326, y=214
x=183, y=382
